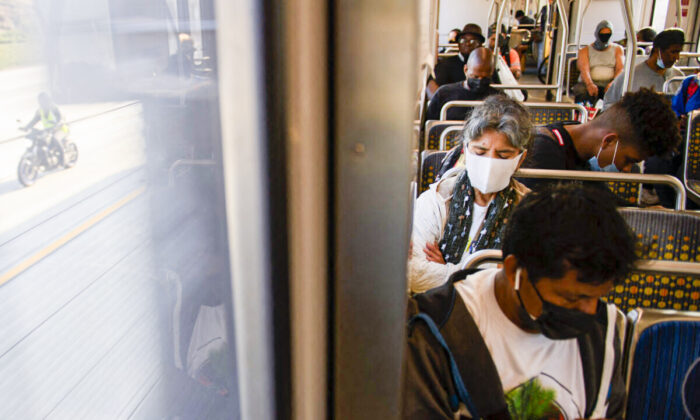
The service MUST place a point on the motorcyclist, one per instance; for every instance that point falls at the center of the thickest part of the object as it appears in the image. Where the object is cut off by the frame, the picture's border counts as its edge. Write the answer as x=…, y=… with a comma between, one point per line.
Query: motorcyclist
x=51, y=119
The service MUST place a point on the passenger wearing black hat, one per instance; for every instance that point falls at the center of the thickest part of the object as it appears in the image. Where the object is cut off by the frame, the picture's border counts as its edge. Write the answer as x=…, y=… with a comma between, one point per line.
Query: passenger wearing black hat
x=451, y=69
x=653, y=72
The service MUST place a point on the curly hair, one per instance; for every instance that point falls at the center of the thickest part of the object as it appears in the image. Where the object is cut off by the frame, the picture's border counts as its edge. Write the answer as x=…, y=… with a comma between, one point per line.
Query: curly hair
x=500, y=113
x=570, y=226
x=645, y=119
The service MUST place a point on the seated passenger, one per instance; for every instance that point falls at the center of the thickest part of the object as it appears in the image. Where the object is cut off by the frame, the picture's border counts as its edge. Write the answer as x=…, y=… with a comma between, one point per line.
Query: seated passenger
x=511, y=57
x=476, y=87
x=688, y=97
x=599, y=63
x=523, y=19
x=533, y=335
x=639, y=126
x=466, y=211
x=653, y=72
x=685, y=101
x=451, y=39
x=451, y=69
x=646, y=34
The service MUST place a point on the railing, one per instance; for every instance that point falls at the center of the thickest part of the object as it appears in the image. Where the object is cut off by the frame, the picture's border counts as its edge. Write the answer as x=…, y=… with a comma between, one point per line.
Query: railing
x=552, y=105
x=668, y=180
x=668, y=82
x=651, y=266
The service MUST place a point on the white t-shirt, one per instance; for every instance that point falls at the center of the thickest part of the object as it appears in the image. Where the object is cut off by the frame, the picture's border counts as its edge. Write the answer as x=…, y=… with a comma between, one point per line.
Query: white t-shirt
x=521, y=358
x=477, y=219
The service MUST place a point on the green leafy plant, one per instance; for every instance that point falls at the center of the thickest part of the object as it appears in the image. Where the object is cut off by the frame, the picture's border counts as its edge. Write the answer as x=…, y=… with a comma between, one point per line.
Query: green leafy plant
x=531, y=401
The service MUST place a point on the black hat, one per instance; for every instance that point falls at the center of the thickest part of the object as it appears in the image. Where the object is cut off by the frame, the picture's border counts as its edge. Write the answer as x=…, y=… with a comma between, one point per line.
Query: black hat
x=472, y=29
x=668, y=37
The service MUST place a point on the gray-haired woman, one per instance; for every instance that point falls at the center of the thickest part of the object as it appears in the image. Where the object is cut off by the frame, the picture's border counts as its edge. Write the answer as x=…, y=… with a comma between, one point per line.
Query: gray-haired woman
x=467, y=209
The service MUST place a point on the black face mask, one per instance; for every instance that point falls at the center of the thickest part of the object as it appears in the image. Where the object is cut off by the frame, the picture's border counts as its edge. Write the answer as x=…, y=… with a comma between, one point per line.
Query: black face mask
x=604, y=38
x=555, y=322
x=479, y=85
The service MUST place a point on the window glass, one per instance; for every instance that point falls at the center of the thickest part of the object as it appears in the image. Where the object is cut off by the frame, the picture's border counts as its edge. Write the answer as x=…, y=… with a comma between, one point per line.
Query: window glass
x=114, y=271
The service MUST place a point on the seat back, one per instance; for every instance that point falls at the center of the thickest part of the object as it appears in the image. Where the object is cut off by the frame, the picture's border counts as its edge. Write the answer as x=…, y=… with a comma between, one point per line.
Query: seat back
x=541, y=113
x=691, y=172
x=663, y=377
x=433, y=130
x=450, y=137
x=430, y=163
x=661, y=235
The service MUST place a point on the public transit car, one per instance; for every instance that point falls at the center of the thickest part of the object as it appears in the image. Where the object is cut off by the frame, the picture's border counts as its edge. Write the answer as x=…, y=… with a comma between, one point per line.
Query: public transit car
x=224, y=209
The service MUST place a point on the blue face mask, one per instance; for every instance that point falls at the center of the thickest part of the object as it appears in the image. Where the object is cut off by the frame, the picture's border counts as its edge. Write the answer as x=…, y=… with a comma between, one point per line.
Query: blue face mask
x=610, y=168
x=660, y=62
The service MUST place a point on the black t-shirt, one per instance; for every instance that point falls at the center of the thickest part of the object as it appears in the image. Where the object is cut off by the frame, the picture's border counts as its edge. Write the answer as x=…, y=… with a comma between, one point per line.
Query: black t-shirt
x=454, y=92
x=450, y=70
x=552, y=148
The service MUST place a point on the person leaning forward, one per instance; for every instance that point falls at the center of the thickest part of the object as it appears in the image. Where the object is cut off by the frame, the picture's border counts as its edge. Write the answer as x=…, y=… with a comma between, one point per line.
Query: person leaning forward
x=533, y=336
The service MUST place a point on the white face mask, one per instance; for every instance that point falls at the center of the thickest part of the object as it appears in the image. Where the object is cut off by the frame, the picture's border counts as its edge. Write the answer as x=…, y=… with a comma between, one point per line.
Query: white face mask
x=490, y=175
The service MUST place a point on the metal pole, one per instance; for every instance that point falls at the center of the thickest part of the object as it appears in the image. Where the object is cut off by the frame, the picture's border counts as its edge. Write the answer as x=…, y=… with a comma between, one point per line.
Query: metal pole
x=497, y=31
x=564, y=25
x=679, y=13
x=579, y=22
x=493, y=3
x=630, y=56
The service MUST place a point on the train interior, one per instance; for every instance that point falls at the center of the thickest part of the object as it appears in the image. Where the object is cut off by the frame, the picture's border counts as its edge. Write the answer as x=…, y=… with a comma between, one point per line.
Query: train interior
x=224, y=231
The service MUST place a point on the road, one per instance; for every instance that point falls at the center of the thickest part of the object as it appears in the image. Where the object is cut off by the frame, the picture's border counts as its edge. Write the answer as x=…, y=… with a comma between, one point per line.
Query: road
x=102, y=277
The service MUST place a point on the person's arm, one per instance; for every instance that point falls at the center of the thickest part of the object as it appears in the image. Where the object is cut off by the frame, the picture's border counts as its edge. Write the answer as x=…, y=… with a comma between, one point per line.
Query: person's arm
x=545, y=153
x=515, y=63
x=613, y=94
x=426, y=380
x=584, y=67
x=433, y=111
x=616, y=398
x=619, y=65
x=678, y=102
x=32, y=123
x=427, y=225
x=432, y=87
x=57, y=113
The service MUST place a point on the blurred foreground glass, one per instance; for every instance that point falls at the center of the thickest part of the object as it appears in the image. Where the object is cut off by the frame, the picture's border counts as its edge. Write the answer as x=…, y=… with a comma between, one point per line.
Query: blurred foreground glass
x=114, y=269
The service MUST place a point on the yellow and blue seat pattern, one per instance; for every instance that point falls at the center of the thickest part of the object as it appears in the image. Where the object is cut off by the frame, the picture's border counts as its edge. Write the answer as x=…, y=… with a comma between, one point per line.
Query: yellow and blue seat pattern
x=692, y=169
x=430, y=164
x=661, y=235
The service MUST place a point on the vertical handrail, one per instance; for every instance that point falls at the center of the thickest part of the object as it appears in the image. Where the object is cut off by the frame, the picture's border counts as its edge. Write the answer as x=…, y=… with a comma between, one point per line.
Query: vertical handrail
x=631, y=53
x=493, y=3
x=579, y=20
x=679, y=13
x=564, y=25
x=497, y=31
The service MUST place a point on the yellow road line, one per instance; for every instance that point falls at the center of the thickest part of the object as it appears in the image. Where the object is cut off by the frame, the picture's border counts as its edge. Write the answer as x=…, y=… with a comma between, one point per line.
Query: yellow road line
x=19, y=268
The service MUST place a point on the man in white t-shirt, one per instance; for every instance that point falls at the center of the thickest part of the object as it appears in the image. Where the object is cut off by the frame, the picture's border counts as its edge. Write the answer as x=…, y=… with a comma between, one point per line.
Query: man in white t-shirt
x=533, y=336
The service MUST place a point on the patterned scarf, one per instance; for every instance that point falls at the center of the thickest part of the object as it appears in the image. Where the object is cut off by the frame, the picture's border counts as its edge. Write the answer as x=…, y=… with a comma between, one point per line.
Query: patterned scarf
x=456, y=236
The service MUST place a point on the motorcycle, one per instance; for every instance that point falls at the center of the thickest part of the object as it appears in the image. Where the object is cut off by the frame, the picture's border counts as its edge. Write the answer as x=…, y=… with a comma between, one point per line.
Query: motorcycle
x=44, y=154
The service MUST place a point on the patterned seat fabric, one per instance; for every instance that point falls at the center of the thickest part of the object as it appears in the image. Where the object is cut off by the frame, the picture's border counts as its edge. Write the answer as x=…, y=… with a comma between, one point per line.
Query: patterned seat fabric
x=661, y=235
x=664, y=382
x=692, y=169
x=544, y=115
x=452, y=138
x=627, y=191
x=434, y=132
x=430, y=163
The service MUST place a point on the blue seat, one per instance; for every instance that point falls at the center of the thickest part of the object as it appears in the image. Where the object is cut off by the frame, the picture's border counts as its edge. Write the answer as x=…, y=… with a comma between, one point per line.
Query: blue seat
x=430, y=163
x=664, y=373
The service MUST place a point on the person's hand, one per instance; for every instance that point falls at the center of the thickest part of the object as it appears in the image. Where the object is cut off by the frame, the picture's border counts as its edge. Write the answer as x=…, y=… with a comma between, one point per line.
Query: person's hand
x=410, y=249
x=592, y=89
x=433, y=254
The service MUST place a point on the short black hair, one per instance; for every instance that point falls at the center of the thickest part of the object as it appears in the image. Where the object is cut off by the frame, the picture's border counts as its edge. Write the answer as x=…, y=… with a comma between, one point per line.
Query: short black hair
x=645, y=119
x=519, y=13
x=570, y=226
x=668, y=37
